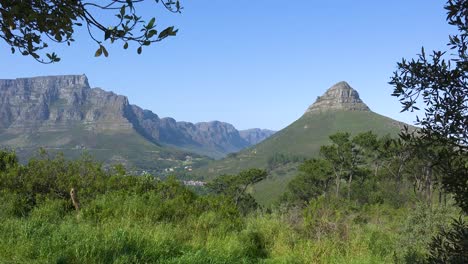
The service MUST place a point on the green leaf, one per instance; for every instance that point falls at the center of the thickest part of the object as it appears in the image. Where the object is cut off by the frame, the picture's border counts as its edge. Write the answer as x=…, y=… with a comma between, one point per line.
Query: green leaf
x=167, y=32
x=152, y=32
x=139, y=50
x=125, y=45
x=151, y=23
x=122, y=10
x=98, y=52
x=106, y=54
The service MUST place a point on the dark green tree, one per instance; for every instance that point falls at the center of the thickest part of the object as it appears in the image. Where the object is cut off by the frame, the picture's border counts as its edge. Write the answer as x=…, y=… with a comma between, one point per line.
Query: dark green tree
x=8, y=159
x=439, y=81
x=29, y=26
x=313, y=180
x=345, y=158
x=236, y=186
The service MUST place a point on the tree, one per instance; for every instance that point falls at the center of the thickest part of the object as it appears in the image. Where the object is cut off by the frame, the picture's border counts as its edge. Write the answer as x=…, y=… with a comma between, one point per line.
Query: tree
x=27, y=26
x=441, y=81
x=312, y=181
x=345, y=157
x=235, y=187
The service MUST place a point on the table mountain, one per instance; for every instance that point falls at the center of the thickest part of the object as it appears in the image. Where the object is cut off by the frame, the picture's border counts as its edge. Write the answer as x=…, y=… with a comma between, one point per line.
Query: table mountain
x=65, y=113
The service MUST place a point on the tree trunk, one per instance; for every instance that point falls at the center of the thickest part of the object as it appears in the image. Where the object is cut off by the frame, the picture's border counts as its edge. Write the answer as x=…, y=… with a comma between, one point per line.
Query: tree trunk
x=349, y=185
x=74, y=198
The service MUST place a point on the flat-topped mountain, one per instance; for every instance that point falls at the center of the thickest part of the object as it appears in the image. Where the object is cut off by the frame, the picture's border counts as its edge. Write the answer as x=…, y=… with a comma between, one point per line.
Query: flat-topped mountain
x=338, y=109
x=65, y=113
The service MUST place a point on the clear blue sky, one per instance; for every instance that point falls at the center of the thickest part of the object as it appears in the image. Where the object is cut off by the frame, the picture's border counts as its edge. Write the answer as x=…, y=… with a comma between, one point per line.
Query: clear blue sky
x=257, y=63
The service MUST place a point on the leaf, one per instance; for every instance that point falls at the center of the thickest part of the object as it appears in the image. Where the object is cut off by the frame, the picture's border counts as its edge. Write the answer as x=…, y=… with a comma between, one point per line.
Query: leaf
x=125, y=45
x=152, y=32
x=122, y=11
x=167, y=32
x=151, y=23
x=139, y=50
x=98, y=52
x=106, y=54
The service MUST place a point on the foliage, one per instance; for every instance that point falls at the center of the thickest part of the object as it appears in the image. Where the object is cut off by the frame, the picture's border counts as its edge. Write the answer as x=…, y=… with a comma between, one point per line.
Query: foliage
x=129, y=219
x=311, y=182
x=27, y=26
x=279, y=159
x=235, y=187
x=440, y=80
x=450, y=245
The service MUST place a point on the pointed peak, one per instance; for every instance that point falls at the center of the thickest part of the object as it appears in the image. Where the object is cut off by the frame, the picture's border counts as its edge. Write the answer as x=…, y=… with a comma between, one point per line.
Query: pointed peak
x=341, y=85
x=340, y=96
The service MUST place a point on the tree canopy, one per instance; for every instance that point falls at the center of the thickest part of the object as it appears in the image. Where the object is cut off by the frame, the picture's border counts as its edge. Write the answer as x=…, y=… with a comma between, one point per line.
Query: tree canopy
x=441, y=81
x=29, y=26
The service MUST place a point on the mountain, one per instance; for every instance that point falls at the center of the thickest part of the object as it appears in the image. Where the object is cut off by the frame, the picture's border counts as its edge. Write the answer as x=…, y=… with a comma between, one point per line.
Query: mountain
x=254, y=136
x=338, y=109
x=64, y=113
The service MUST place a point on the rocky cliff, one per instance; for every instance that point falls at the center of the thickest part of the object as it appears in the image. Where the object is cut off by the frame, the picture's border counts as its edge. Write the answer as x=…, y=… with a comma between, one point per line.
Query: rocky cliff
x=256, y=135
x=57, y=102
x=32, y=109
x=340, y=96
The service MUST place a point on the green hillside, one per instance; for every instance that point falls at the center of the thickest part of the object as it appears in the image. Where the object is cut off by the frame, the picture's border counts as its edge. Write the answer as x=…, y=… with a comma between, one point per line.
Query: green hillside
x=124, y=146
x=301, y=139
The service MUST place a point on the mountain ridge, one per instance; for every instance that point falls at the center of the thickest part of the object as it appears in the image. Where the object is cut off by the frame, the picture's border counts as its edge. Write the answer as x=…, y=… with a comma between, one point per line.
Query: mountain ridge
x=64, y=112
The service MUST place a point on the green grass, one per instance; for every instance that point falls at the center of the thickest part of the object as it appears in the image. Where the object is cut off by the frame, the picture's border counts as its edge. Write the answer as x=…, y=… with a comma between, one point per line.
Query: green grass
x=125, y=229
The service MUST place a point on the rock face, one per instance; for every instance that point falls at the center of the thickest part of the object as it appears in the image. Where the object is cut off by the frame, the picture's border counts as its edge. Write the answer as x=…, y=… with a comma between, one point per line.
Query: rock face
x=256, y=135
x=215, y=139
x=339, y=97
x=56, y=102
x=67, y=104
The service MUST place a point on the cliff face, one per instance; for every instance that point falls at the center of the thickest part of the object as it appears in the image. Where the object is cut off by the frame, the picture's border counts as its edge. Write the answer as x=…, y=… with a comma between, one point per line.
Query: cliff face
x=339, y=97
x=56, y=102
x=211, y=138
x=67, y=104
x=256, y=135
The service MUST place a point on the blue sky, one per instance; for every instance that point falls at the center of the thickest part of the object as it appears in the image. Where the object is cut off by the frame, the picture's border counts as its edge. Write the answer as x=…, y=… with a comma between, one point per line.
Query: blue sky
x=256, y=63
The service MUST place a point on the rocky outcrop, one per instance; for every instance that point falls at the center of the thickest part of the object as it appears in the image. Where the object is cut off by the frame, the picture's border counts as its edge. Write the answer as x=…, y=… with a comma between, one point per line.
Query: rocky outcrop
x=339, y=97
x=62, y=103
x=256, y=135
x=54, y=102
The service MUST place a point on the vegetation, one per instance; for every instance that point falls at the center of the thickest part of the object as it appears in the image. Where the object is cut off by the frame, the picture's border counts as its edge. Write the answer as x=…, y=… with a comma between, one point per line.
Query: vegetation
x=440, y=81
x=302, y=139
x=128, y=219
x=26, y=26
